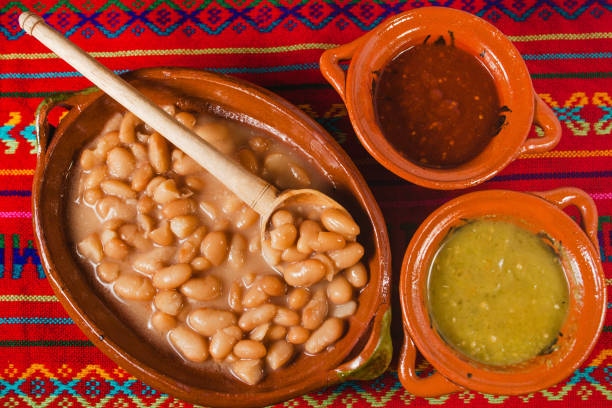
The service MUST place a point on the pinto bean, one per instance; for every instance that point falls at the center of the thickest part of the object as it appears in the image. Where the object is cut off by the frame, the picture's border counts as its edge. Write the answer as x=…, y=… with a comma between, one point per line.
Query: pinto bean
x=94, y=177
x=277, y=332
x=182, y=206
x=120, y=162
x=127, y=132
x=248, y=371
x=286, y=317
x=249, y=349
x=106, y=143
x=234, y=298
x=141, y=177
x=337, y=220
x=315, y=311
x=169, y=302
x=339, y=290
x=190, y=344
x=92, y=195
x=237, y=251
x=186, y=119
x=347, y=256
x=279, y=354
x=328, y=241
x=152, y=261
x=324, y=336
x=200, y=263
x=183, y=164
x=254, y=317
x=222, y=342
x=309, y=233
x=162, y=322
x=293, y=255
x=166, y=192
x=207, y=321
x=297, y=335
x=357, y=275
x=254, y=297
x=117, y=188
x=108, y=271
x=91, y=248
x=184, y=225
x=246, y=218
x=162, y=235
x=89, y=160
x=214, y=247
x=305, y=273
x=281, y=217
x=217, y=134
x=283, y=237
x=172, y=276
x=158, y=153
x=271, y=255
x=248, y=160
x=345, y=310
x=116, y=249
x=206, y=288
x=272, y=285
x=133, y=286
x=298, y=298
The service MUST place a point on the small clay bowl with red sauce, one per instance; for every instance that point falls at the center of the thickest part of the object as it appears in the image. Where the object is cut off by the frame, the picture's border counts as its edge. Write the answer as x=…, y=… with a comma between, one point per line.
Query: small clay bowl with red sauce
x=537, y=212
x=365, y=349
x=519, y=105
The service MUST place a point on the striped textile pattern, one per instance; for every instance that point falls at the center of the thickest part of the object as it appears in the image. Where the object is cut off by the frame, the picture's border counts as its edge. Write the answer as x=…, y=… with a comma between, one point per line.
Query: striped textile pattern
x=45, y=361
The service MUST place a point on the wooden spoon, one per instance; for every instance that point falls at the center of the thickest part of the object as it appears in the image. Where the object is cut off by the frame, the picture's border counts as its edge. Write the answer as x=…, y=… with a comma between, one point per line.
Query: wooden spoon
x=257, y=193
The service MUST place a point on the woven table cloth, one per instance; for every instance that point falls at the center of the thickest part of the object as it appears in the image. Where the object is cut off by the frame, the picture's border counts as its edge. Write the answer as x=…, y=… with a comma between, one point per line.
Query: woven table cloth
x=45, y=360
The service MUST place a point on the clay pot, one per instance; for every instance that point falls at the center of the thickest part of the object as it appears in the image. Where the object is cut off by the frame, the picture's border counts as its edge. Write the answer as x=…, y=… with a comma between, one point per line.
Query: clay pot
x=537, y=212
x=370, y=53
x=365, y=349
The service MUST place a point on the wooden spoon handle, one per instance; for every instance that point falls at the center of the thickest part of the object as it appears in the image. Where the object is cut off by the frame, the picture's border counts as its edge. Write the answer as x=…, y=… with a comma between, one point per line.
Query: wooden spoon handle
x=254, y=191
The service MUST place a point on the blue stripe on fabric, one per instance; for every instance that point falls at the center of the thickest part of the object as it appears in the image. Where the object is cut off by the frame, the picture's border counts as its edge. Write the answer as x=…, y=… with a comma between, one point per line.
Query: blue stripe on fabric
x=15, y=193
x=36, y=320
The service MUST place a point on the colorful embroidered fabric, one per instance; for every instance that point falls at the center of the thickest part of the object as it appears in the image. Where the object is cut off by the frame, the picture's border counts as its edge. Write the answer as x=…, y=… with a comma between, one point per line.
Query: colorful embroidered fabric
x=567, y=44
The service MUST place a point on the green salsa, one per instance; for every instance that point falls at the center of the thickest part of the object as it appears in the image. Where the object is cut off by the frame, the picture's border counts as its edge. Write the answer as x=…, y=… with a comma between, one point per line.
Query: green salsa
x=497, y=292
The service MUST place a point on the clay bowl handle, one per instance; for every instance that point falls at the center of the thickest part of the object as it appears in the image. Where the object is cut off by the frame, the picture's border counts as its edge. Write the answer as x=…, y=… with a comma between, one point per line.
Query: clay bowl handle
x=433, y=386
x=254, y=191
x=548, y=121
x=330, y=64
x=565, y=196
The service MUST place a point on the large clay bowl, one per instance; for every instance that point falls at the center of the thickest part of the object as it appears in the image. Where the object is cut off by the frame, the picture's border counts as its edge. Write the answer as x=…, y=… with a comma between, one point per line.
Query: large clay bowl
x=370, y=53
x=363, y=352
x=578, y=248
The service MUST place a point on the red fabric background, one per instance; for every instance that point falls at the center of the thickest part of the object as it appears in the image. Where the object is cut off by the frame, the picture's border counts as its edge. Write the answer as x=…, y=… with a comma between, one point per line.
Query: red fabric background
x=46, y=361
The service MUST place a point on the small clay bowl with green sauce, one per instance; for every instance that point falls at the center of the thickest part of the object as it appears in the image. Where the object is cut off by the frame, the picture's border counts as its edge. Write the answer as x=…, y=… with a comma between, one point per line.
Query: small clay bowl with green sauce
x=577, y=247
x=520, y=106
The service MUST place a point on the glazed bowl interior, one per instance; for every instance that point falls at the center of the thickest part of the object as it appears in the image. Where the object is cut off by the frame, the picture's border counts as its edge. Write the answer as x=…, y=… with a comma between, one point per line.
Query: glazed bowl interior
x=471, y=34
x=582, y=270
x=83, y=300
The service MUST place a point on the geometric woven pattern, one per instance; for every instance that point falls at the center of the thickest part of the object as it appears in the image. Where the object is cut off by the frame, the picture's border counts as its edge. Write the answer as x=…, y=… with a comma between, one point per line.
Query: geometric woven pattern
x=166, y=17
x=45, y=361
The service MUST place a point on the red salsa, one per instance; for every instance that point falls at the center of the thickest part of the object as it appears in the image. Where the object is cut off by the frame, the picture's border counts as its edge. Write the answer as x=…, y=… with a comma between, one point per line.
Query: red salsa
x=437, y=105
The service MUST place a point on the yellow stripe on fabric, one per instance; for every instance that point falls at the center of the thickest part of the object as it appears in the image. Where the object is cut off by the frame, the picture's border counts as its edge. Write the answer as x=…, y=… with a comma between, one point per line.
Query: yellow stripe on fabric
x=181, y=51
x=16, y=172
x=559, y=36
x=28, y=298
x=276, y=49
x=567, y=154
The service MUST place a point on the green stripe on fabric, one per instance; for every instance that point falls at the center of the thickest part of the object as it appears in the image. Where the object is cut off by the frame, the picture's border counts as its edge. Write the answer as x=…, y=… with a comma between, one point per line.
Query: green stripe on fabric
x=28, y=298
x=559, y=36
x=46, y=343
x=178, y=52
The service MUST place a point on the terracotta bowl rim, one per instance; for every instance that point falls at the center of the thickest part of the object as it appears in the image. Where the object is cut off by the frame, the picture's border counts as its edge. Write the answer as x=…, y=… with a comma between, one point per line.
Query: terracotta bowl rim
x=452, y=364
x=140, y=368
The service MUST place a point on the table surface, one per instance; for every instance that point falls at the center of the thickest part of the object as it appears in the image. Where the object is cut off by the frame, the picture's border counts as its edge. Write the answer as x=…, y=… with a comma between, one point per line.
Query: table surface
x=567, y=44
